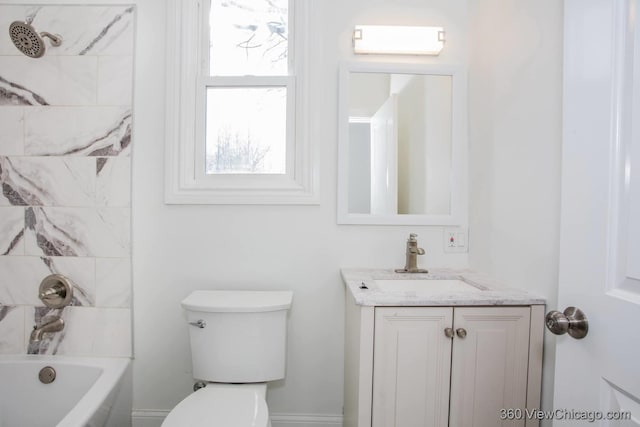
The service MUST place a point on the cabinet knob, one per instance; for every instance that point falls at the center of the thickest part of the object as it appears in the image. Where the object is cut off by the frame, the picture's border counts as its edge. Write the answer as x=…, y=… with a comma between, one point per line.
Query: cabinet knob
x=461, y=332
x=448, y=332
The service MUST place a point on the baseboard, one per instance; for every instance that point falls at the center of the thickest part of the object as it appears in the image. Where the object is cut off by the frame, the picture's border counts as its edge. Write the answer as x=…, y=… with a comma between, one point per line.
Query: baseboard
x=147, y=418
x=154, y=418
x=305, y=420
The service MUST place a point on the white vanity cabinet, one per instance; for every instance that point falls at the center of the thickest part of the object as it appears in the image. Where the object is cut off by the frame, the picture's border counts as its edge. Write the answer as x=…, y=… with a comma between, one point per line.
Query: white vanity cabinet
x=437, y=366
x=418, y=369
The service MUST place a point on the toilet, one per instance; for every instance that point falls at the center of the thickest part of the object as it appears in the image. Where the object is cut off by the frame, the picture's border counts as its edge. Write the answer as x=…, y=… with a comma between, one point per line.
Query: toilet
x=238, y=344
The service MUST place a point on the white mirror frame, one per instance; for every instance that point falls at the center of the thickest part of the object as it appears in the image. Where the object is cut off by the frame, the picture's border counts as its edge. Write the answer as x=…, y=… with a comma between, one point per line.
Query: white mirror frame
x=459, y=146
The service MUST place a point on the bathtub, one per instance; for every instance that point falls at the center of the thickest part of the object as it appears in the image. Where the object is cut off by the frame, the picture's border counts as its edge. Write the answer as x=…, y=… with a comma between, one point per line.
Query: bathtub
x=86, y=392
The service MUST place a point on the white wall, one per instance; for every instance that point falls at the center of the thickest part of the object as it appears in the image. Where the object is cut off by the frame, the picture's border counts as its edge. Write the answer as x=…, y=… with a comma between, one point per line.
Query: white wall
x=515, y=79
x=359, y=172
x=515, y=66
x=368, y=91
x=181, y=248
x=424, y=146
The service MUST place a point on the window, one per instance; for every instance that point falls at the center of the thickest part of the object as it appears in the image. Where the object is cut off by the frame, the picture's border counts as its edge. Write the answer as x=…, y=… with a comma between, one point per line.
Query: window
x=238, y=108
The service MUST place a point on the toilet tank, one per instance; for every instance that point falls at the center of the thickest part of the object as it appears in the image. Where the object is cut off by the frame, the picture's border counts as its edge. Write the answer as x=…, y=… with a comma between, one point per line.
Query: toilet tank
x=238, y=336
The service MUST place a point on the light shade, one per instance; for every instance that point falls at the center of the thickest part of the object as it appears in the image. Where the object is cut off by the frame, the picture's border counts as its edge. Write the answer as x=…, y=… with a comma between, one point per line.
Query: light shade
x=398, y=40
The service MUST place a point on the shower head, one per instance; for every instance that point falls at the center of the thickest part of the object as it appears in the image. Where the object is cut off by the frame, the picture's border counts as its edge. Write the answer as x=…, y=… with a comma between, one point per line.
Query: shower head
x=28, y=41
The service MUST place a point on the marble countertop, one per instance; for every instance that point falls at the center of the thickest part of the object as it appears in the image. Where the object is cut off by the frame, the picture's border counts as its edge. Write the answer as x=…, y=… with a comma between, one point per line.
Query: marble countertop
x=362, y=285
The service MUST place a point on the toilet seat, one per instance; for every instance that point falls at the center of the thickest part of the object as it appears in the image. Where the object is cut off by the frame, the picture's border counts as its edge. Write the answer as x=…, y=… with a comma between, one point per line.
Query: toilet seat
x=222, y=405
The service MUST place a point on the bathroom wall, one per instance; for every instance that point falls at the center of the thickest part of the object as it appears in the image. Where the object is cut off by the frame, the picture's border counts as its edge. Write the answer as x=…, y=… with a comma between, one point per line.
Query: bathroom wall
x=514, y=142
x=515, y=128
x=177, y=249
x=65, y=171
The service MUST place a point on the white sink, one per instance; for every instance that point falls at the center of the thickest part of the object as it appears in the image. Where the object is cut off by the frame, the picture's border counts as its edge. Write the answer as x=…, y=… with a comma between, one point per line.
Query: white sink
x=426, y=286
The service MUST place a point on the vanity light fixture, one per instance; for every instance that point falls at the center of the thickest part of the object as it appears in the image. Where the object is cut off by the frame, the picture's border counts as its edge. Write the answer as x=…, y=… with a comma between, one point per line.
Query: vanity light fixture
x=398, y=40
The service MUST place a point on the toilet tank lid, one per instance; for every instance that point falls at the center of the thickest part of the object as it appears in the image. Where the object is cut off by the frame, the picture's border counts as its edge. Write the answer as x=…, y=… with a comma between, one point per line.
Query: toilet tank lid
x=238, y=301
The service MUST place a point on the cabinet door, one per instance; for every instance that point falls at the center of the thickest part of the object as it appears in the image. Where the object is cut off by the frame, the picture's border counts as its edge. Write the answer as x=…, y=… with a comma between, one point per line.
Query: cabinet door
x=411, y=367
x=489, y=365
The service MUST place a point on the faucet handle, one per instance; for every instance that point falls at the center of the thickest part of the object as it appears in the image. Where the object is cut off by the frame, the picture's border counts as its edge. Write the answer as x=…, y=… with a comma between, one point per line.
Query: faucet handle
x=56, y=291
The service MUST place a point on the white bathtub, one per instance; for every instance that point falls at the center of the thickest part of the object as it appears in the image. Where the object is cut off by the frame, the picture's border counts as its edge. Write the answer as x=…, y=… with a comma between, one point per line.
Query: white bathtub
x=87, y=392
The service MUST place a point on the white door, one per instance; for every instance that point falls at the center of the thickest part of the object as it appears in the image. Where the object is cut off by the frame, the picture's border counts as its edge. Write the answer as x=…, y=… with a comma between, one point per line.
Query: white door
x=600, y=217
x=384, y=158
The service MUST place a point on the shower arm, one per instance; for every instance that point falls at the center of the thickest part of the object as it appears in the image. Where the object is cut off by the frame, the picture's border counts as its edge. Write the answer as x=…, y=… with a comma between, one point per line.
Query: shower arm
x=56, y=40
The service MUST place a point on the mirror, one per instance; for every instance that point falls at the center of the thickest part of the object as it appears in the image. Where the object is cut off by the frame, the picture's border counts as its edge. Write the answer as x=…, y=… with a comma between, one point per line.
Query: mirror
x=402, y=146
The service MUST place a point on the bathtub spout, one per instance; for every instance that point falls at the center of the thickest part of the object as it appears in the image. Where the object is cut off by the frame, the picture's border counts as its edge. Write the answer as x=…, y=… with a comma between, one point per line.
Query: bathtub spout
x=49, y=324
x=33, y=348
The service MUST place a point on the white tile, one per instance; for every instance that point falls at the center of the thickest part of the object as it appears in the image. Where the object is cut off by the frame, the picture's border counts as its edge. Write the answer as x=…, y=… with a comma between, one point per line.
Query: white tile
x=49, y=181
x=120, y=34
x=113, y=184
x=100, y=232
x=57, y=232
x=115, y=80
x=112, y=335
x=11, y=130
x=81, y=131
x=81, y=271
x=111, y=232
x=11, y=231
x=113, y=282
x=95, y=332
x=12, y=329
x=105, y=30
x=19, y=280
x=74, y=102
x=89, y=30
x=20, y=277
x=52, y=80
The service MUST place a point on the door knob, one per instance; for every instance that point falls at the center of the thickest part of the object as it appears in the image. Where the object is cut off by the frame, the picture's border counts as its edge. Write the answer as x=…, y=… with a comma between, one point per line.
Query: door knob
x=572, y=321
x=461, y=332
x=448, y=332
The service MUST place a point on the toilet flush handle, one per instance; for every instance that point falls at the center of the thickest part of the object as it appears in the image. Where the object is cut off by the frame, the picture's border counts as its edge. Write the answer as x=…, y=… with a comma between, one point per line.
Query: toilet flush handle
x=199, y=323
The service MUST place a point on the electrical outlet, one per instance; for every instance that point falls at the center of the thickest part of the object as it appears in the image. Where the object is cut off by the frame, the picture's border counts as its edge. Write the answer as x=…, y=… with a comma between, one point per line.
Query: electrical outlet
x=455, y=240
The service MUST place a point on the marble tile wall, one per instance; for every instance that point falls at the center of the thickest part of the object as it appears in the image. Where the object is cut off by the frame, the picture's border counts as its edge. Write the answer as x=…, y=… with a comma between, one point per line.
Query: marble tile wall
x=65, y=173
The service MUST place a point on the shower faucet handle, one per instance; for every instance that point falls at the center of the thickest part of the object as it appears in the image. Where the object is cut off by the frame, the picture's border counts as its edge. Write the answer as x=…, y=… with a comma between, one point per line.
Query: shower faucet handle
x=56, y=291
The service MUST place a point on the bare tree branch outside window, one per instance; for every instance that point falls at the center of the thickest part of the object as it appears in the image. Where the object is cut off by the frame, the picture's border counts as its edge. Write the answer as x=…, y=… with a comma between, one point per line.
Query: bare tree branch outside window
x=258, y=29
x=246, y=129
x=236, y=153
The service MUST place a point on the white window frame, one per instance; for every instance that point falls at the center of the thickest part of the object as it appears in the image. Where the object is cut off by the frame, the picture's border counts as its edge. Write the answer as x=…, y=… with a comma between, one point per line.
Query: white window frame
x=187, y=80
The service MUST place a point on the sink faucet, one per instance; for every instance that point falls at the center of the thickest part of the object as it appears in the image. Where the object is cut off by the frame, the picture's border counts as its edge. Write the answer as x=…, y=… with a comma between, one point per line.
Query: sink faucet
x=411, y=266
x=49, y=324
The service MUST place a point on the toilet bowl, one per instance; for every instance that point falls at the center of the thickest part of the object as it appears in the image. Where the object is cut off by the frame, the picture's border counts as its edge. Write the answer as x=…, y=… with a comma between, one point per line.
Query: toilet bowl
x=238, y=344
x=228, y=405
